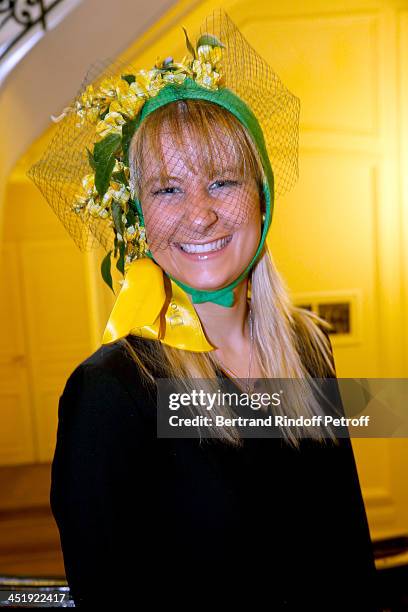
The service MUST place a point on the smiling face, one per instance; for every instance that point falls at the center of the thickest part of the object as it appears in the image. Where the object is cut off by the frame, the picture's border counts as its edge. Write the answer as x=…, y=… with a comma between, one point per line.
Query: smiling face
x=201, y=202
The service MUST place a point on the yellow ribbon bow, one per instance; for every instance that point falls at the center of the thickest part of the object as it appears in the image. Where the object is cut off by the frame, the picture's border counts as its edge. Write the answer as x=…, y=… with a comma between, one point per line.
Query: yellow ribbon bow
x=139, y=310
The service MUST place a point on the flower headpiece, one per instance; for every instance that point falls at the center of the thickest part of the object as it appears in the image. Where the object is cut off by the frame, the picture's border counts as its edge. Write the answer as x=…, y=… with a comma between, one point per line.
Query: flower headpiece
x=112, y=106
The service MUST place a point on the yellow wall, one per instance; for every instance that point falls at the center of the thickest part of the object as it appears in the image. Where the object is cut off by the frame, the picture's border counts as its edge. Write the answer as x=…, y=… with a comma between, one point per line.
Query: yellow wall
x=338, y=236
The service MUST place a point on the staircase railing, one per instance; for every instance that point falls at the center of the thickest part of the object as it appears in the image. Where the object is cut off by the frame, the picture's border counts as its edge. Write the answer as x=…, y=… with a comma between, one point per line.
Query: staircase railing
x=23, y=23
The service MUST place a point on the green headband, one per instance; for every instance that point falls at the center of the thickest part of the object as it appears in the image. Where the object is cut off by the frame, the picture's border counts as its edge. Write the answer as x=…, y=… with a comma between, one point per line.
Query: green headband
x=224, y=97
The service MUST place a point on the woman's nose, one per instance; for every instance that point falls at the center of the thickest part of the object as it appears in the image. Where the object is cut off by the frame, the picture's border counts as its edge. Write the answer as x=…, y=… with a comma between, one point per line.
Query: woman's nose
x=200, y=213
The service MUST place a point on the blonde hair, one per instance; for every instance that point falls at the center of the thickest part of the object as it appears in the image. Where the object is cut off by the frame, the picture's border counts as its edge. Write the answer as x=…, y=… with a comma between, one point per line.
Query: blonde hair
x=288, y=340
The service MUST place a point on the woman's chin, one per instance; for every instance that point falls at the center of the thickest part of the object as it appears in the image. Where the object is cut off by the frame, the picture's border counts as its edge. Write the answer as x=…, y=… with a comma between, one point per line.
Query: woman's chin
x=205, y=284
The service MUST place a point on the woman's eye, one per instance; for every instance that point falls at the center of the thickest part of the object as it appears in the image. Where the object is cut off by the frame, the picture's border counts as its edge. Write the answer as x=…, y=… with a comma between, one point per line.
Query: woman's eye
x=224, y=183
x=166, y=190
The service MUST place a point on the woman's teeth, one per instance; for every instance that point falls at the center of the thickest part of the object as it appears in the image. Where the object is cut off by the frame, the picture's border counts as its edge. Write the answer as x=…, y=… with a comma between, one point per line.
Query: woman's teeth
x=205, y=248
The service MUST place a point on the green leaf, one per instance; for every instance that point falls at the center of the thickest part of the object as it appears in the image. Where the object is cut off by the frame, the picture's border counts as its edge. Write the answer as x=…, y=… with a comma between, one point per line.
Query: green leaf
x=115, y=243
x=104, y=157
x=128, y=129
x=120, y=264
x=106, y=270
x=129, y=78
x=189, y=45
x=91, y=159
x=131, y=217
x=117, y=217
x=209, y=39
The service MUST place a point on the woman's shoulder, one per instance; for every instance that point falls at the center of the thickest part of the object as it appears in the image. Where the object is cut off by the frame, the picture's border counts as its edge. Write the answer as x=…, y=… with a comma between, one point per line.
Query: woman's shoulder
x=114, y=358
x=108, y=377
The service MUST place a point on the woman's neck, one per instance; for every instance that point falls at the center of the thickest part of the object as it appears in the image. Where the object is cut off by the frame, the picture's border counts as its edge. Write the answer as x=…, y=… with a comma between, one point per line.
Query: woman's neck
x=227, y=328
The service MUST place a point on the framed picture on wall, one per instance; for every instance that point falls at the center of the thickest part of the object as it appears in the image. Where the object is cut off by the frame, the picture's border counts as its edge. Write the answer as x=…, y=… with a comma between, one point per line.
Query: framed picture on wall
x=341, y=309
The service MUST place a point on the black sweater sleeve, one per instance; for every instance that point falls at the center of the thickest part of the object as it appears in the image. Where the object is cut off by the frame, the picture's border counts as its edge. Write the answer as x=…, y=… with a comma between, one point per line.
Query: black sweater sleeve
x=92, y=497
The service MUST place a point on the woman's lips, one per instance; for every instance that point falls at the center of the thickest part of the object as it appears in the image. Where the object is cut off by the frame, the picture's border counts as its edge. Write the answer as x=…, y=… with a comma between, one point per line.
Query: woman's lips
x=204, y=256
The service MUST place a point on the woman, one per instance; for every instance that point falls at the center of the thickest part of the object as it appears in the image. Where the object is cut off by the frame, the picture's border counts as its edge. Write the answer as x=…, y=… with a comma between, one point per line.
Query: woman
x=219, y=517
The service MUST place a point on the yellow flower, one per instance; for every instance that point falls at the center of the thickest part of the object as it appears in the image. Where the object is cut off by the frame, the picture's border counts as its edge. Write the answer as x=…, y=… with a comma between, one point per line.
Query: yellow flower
x=174, y=77
x=92, y=104
x=107, y=88
x=127, y=101
x=207, y=53
x=118, y=192
x=88, y=184
x=141, y=85
x=107, y=198
x=135, y=237
x=111, y=124
x=88, y=98
x=79, y=204
x=120, y=167
x=129, y=106
x=89, y=192
x=205, y=75
x=96, y=210
x=147, y=83
x=92, y=114
x=130, y=234
x=89, y=106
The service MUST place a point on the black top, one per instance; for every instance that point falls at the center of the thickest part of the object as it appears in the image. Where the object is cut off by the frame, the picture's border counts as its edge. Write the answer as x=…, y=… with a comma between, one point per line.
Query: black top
x=168, y=519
